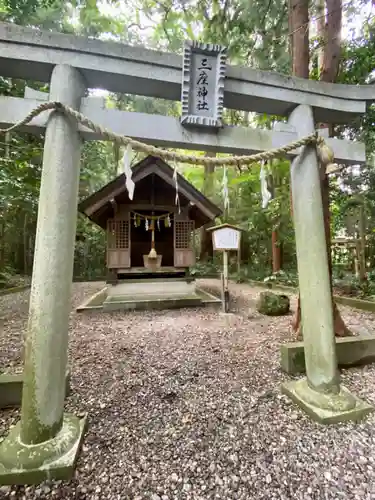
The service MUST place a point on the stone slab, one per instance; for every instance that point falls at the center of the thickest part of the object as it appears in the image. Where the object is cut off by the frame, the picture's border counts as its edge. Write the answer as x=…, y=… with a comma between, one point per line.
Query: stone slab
x=160, y=288
x=166, y=131
x=99, y=302
x=359, y=412
x=127, y=303
x=62, y=468
x=11, y=388
x=364, y=305
x=351, y=351
x=160, y=278
x=94, y=302
x=31, y=55
x=15, y=289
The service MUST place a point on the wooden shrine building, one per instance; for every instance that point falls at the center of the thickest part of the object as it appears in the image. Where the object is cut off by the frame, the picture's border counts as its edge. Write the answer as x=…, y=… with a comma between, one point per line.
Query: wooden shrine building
x=152, y=234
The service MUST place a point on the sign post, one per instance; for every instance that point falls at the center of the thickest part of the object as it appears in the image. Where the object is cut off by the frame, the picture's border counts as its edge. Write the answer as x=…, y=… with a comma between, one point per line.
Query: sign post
x=225, y=238
x=226, y=288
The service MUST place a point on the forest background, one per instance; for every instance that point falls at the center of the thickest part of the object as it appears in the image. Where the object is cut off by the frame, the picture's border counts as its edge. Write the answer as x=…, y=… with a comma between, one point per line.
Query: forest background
x=326, y=40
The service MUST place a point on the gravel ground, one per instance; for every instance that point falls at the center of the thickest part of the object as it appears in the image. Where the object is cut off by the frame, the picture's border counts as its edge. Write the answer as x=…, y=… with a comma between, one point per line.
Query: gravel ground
x=187, y=405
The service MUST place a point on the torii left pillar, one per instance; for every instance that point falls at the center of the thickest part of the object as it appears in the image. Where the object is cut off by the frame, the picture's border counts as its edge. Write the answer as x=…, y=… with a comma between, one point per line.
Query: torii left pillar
x=46, y=442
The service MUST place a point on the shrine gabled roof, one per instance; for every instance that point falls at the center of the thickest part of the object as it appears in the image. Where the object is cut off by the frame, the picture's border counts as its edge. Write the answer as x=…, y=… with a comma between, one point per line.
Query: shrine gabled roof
x=146, y=167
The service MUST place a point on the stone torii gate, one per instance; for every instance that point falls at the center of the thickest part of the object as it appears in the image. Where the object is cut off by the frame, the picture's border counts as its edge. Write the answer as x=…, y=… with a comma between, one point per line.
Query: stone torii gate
x=45, y=443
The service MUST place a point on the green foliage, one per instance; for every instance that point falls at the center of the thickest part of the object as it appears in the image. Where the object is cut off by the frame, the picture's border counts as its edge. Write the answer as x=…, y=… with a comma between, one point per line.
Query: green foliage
x=8, y=279
x=208, y=268
x=283, y=278
x=21, y=12
x=255, y=33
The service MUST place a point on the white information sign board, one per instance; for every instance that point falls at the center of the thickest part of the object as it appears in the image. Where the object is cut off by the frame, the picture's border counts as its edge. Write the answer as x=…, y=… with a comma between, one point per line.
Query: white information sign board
x=226, y=238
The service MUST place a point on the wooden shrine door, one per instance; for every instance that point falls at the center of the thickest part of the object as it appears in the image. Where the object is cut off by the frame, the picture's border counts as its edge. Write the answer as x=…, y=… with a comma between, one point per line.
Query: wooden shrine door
x=118, y=243
x=184, y=255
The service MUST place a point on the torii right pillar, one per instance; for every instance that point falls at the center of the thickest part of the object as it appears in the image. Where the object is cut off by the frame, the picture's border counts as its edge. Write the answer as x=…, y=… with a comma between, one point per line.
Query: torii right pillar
x=319, y=393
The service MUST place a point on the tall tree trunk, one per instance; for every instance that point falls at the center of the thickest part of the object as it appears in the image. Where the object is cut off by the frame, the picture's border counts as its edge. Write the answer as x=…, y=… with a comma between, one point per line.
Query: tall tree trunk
x=206, y=249
x=332, y=45
x=321, y=32
x=329, y=34
x=330, y=63
x=362, y=246
x=276, y=246
x=299, y=42
x=299, y=33
x=298, y=11
x=276, y=252
x=25, y=241
x=2, y=239
x=116, y=159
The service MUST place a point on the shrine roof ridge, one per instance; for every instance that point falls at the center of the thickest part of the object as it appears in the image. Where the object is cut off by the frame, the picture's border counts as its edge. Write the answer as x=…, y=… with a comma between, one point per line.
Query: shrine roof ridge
x=31, y=54
x=149, y=165
x=225, y=225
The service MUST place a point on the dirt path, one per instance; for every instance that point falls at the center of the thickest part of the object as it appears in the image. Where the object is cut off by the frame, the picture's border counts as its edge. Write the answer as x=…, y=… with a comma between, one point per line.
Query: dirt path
x=186, y=405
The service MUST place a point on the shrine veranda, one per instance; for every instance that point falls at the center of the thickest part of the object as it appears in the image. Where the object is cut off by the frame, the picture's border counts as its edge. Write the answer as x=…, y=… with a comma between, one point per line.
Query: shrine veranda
x=46, y=442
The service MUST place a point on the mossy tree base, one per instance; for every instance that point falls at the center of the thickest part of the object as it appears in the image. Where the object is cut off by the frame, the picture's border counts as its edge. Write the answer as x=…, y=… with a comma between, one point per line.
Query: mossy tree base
x=53, y=459
x=324, y=408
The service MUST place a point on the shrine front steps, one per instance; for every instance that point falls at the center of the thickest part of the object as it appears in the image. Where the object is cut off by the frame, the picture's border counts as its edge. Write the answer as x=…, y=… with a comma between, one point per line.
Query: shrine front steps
x=127, y=303
x=147, y=294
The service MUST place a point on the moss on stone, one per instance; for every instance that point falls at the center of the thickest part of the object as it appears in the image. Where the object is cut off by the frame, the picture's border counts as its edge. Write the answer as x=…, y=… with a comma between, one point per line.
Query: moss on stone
x=343, y=407
x=11, y=388
x=273, y=304
x=53, y=459
x=350, y=351
x=299, y=361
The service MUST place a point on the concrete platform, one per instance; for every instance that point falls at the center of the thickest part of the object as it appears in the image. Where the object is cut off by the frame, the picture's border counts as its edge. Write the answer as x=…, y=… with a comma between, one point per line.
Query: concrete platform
x=127, y=303
x=153, y=287
x=139, y=294
x=351, y=351
x=11, y=388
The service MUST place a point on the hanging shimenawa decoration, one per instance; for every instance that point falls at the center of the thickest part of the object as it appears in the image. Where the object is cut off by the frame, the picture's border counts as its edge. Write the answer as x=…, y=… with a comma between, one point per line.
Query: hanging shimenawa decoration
x=225, y=189
x=175, y=178
x=126, y=162
x=266, y=195
x=150, y=221
x=152, y=254
x=137, y=218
